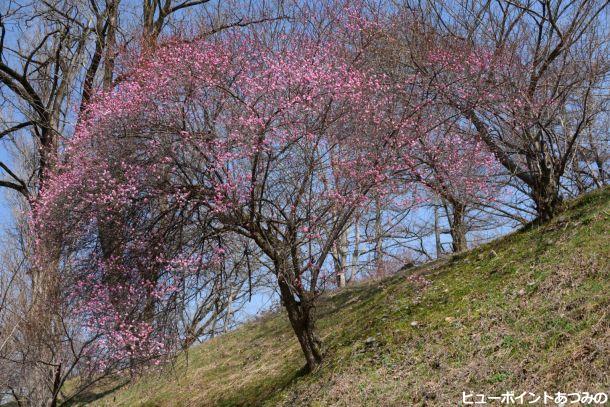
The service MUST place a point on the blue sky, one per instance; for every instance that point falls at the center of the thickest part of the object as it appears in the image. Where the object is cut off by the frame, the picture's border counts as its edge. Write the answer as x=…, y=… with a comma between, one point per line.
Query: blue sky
x=5, y=213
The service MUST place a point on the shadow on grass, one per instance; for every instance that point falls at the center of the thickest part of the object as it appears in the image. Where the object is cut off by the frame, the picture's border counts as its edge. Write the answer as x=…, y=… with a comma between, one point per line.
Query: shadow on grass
x=91, y=396
x=259, y=392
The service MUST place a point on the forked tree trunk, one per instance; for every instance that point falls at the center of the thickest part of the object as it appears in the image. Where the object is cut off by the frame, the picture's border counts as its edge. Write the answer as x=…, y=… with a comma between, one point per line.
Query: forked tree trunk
x=302, y=320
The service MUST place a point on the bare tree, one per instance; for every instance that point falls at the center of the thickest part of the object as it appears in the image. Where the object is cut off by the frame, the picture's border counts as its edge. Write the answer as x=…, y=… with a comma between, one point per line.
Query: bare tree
x=559, y=52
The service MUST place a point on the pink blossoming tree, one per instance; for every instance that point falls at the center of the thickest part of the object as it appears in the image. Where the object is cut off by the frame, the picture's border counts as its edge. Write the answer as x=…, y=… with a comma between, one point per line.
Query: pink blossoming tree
x=277, y=139
x=457, y=167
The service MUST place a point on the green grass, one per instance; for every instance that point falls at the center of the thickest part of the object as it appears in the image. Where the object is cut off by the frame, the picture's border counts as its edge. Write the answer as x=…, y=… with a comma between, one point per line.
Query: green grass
x=528, y=312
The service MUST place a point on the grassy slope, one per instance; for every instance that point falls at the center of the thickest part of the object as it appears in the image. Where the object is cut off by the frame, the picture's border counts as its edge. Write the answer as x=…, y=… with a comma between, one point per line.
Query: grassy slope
x=528, y=312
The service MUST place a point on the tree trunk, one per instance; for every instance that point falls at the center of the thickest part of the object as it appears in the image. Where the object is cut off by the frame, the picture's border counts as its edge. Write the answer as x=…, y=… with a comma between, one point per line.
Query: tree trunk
x=356, y=253
x=544, y=184
x=458, y=228
x=341, y=278
x=379, y=268
x=541, y=173
x=437, y=230
x=56, y=386
x=302, y=320
x=340, y=258
x=303, y=325
x=546, y=199
x=227, y=320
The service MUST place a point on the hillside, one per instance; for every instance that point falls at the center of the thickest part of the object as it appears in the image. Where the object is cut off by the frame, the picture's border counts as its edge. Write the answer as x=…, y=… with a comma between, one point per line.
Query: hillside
x=528, y=312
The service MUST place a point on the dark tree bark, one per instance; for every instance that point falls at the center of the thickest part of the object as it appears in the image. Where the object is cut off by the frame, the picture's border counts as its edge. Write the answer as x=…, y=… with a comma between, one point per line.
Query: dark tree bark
x=547, y=200
x=56, y=386
x=458, y=227
x=301, y=314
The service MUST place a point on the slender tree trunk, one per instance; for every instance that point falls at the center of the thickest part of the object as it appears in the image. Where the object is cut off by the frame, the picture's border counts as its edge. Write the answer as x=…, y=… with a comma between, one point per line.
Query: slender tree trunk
x=437, y=230
x=113, y=11
x=225, y=328
x=340, y=257
x=356, y=253
x=41, y=329
x=379, y=271
x=601, y=172
x=56, y=386
x=341, y=279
